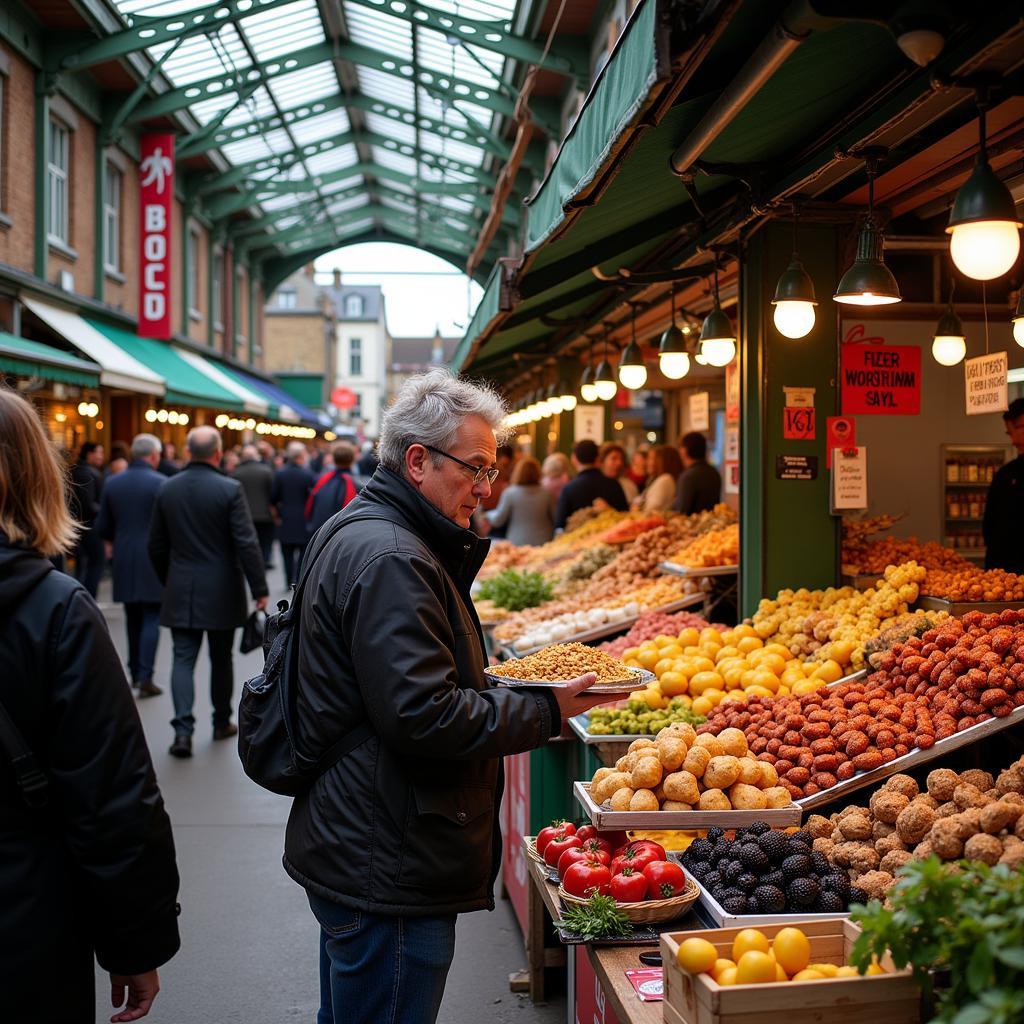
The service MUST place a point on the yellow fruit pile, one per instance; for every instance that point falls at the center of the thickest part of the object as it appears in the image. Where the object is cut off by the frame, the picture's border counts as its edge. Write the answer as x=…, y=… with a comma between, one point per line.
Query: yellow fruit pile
x=711, y=666
x=835, y=624
x=757, y=961
x=718, y=547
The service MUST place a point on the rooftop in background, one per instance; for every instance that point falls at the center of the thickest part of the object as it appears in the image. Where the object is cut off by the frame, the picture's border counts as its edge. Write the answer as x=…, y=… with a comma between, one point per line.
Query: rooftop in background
x=356, y=302
x=297, y=295
x=409, y=355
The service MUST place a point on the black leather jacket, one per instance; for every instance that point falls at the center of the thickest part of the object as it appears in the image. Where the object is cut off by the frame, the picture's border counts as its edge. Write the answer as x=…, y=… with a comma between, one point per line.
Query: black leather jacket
x=94, y=870
x=406, y=823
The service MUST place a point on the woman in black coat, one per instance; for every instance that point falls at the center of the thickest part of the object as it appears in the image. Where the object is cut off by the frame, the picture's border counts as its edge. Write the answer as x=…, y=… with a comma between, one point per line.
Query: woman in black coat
x=87, y=861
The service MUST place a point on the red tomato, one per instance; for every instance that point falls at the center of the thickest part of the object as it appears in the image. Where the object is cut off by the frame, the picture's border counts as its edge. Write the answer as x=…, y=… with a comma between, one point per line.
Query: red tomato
x=557, y=846
x=649, y=844
x=629, y=886
x=545, y=835
x=586, y=832
x=585, y=877
x=615, y=838
x=578, y=853
x=637, y=856
x=664, y=879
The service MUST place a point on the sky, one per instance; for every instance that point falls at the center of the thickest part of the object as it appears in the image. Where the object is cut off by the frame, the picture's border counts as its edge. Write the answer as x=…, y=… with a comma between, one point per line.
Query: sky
x=421, y=291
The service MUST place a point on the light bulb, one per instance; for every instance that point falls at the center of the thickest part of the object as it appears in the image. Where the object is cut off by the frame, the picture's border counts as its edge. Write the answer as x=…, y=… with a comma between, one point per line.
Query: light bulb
x=794, y=319
x=700, y=359
x=984, y=249
x=674, y=365
x=588, y=391
x=633, y=377
x=1018, y=330
x=948, y=349
x=719, y=351
x=568, y=403
x=606, y=389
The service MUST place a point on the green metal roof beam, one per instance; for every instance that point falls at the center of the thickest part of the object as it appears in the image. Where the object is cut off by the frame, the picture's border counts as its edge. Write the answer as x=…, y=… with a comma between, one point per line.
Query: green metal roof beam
x=426, y=157
x=239, y=229
x=146, y=31
x=487, y=35
x=509, y=215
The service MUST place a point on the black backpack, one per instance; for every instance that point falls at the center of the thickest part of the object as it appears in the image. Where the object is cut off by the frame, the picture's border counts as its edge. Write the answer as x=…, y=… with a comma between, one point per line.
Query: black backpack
x=267, y=744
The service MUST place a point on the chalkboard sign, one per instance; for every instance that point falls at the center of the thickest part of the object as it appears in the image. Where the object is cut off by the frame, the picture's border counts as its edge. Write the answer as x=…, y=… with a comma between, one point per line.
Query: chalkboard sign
x=796, y=467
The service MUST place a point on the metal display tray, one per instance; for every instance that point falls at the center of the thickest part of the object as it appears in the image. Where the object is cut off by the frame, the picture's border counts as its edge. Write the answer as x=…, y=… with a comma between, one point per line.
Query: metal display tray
x=916, y=757
x=958, y=608
x=602, y=818
x=608, y=629
x=861, y=581
x=689, y=571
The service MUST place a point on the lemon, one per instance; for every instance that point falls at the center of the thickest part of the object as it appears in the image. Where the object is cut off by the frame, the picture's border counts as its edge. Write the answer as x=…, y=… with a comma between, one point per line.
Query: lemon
x=780, y=974
x=847, y=972
x=829, y=970
x=722, y=964
x=749, y=938
x=808, y=975
x=792, y=950
x=696, y=956
x=727, y=977
x=755, y=967
x=875, y=968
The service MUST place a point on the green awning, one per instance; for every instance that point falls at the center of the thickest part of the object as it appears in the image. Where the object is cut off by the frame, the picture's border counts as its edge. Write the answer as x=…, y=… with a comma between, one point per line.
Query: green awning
x=25, y=358
x=186, y=385
x=486, y=312
x=307, y=388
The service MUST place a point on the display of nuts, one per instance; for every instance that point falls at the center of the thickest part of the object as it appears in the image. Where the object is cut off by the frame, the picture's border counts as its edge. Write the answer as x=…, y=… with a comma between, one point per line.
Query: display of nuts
x=941, y=783
x=983, y=847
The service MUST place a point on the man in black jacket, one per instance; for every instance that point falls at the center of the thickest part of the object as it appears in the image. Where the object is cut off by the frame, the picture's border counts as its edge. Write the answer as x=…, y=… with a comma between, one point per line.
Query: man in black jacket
x=700, y=485
x=292, y=484
x=204, y=548
x=401, y=833
x=257, y=480
x=587, y=486
x=1004, y=507
x=87, y=489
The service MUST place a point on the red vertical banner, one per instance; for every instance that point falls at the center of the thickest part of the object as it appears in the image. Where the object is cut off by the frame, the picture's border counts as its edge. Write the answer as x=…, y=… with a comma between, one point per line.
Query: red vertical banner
x=516, y=824
x=156, y=194
x=592, y=1006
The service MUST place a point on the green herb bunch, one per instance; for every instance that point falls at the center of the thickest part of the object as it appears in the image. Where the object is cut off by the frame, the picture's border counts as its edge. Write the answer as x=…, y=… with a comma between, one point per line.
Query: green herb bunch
x=516, y=590
x=966, y=919
x=598, y=918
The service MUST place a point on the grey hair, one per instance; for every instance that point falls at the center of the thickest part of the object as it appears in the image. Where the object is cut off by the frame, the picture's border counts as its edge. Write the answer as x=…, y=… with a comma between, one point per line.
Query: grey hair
x=203, y=442
x=429, y=410
x=295, y=450
x=146, y=444
x=250, y=451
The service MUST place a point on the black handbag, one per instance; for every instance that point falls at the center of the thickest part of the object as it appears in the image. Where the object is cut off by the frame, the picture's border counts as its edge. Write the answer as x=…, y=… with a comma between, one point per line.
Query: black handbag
x=252, y=632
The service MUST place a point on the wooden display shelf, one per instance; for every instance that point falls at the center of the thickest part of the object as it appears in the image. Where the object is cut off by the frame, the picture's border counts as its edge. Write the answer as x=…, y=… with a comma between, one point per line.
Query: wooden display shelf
x=959, y=608
x=610, y=964
x=600, y=817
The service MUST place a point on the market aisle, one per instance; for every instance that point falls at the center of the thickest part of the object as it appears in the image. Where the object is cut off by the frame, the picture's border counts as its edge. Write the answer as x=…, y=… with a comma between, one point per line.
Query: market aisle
x=249, y=944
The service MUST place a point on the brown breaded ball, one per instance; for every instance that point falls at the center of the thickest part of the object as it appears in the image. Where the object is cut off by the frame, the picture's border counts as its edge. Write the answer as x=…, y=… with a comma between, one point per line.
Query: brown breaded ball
x=968, y=795
x=942, y=782
x=993, y=793
x=889, y=843
x=902, y=784
x=1014, y=799
x=915, y=822
x=977, y=777
x=1011, y=780
x=881, y=829
x=968, y=823
x=1013, y=856
x=927, y=800
x=852, y=809
x=983, y=847
x=845, y=852
x=887, y=804
x=923, y=850
x=894, y=860
x=864, y=858
x=819, y=826
x=837, y=836
x=946, y=810
x=997, y=816
x=855, y=827
x=876, y=884
x=1018, y=829
x=825, y=846
x=945, y=839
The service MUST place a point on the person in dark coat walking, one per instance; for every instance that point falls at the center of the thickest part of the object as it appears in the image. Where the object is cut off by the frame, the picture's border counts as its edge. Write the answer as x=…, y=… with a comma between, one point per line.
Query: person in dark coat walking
x=257, y=479
x=87, y=478
x=333, y=491
x=292, y=484
x=125, y=514
x=90, y=874
x=401, y=833
x=587, y=486
x=204, y=548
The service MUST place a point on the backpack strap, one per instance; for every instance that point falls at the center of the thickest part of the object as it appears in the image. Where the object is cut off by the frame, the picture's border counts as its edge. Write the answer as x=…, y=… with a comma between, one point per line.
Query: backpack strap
x=30, y=779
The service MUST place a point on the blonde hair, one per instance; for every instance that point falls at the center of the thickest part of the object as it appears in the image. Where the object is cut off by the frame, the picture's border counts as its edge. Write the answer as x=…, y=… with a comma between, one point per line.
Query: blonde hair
x=33, y=481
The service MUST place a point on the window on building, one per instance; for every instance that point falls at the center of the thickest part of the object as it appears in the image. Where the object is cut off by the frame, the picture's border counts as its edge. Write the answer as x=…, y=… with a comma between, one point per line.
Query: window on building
x=112, y=219
x=218, y=288
x=287, y=299
x=355, y=357
x=193, y=271
x=353, y=306
x=58, y=172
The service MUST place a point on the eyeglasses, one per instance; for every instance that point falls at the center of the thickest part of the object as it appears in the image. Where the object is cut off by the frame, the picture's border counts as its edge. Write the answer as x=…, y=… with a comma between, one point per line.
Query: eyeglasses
x=480, y=473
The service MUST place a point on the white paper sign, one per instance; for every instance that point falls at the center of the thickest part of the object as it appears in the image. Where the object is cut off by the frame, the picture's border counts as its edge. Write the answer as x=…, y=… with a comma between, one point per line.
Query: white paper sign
x=799, y=398
x=699, y=410
x=732, y=444
x=849, y=478
x=985, y=381
x=588, y=423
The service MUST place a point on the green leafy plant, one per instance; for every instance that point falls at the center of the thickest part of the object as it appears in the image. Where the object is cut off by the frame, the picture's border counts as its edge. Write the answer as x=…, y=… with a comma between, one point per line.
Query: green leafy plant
x=598, y=918
x=965, y=919
x=516, y=590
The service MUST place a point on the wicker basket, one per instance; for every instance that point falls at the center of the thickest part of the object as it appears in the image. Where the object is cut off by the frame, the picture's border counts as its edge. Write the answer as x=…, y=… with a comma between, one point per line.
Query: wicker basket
x=531, y=850
x=649, y=911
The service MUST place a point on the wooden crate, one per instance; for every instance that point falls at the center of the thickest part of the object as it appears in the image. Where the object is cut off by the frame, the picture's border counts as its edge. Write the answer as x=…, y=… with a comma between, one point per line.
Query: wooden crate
x=891, y=998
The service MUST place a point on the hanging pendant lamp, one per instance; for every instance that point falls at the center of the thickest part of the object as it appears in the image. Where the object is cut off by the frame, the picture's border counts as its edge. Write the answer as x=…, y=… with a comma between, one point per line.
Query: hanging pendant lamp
x=673, y=352
x=1018, y=320
x=604, y=379
x=632, y=369
x=588, y=390
x=717, y=337
x=949, y=346
x=794, y=300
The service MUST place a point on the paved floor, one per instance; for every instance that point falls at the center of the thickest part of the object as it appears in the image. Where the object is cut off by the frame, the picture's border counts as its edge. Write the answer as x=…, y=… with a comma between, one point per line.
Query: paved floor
x=249, y=942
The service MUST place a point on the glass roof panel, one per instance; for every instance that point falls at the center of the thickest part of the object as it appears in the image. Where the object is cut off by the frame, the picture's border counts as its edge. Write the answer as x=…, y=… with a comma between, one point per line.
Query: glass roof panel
x=304, y=85
x=332, y=160
x=323, y=126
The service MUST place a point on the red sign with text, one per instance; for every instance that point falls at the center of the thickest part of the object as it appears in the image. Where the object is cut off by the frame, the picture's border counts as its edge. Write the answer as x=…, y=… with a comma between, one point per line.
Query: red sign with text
x=879, y=379
x=156, y=194
x=516, y=823
x=840, y=432
x=343, y=398
x=797, y=424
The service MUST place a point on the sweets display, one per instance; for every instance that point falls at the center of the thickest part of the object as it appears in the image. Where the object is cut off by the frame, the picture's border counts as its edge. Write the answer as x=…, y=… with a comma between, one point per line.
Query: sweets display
x=717, y=547
x=561, y=662
x=651, y=625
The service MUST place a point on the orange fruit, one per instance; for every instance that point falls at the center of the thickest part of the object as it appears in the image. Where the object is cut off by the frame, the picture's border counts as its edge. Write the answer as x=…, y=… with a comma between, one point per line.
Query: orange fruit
x=696, y=956
x=755, y=968
x=792, y=949
x=749, y=938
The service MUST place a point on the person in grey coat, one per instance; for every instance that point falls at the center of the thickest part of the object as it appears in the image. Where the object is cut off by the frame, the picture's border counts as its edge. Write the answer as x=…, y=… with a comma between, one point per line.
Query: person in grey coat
x=126, y=508
x=204, y=548
x=257, y=480
x=525, y=509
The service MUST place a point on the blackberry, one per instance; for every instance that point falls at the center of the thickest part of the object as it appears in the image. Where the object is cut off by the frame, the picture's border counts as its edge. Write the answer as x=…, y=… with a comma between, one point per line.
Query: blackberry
x=699, y=869
x=797, y=865
x=759, y=828
x=712, y=880
x=802, y=836
x=733, y=871
x=753, y=857
x=829, y=903
x=794, y=847
x=774, y=877
x=723, y=850
x=802, y=892
x=857, y=895
x=753, y=904
x=770, y=898
x=735, y=905
x=835, y=882
x=714, y=834
x=719, y=893
x=774, y=844
x=820, y=864
x=699, y=849
x=730, y=891
x=747, y=882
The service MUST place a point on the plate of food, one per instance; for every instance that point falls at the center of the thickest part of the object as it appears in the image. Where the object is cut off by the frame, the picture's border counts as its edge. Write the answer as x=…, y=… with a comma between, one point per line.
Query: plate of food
x=557, y=664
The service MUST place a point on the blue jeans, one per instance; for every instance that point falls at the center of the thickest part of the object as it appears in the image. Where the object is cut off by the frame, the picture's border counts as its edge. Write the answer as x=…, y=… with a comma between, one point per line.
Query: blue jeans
x=186, y=643
x=142, y=622
x=381, y=970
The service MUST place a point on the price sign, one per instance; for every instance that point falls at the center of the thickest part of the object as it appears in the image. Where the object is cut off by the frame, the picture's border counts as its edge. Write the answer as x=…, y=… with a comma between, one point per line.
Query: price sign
x=798, y=423
x=699, y=411
x=849, y=479
x=985, y=381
